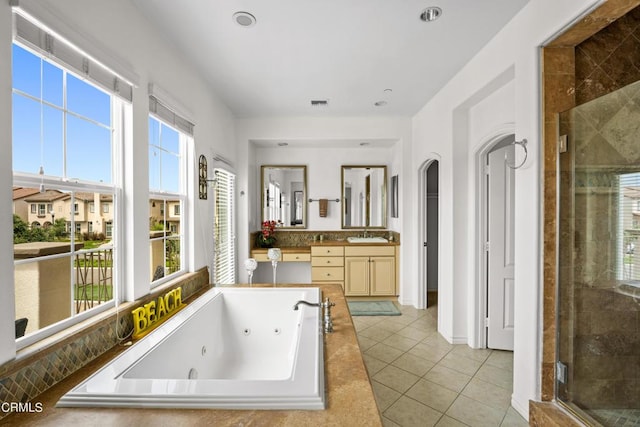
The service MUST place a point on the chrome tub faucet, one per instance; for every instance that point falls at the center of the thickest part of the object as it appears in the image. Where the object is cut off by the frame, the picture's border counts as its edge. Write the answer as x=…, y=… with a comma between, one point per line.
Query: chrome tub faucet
x=326, y=306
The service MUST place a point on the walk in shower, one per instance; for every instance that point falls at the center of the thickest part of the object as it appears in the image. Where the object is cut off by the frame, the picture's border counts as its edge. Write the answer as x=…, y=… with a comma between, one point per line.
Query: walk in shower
x=598, y=350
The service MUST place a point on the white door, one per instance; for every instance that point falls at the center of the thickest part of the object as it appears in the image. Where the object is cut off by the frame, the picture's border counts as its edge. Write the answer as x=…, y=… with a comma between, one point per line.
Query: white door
x=500, y=282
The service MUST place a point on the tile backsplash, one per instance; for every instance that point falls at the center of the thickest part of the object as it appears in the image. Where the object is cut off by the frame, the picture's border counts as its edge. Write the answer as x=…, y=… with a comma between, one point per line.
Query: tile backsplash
x=289, y=238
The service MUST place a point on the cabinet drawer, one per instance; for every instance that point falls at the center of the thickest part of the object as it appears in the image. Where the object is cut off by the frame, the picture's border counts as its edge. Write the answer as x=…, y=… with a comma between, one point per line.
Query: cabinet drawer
x=327, y=261
x=260, y=257
x=296, y=257
x=369, y=251
x=327, y=274
x=327, y=250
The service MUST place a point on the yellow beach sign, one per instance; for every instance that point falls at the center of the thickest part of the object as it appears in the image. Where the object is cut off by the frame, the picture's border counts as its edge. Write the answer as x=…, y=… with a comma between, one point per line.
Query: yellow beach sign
x=152, y=314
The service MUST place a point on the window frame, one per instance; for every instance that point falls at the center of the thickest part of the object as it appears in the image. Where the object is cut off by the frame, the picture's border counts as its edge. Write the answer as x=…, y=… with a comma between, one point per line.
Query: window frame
x=183, y=197
x=33, y=180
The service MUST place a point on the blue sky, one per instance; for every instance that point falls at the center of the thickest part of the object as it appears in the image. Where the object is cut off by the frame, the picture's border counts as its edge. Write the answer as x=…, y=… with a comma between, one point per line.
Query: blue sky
x=88, y=134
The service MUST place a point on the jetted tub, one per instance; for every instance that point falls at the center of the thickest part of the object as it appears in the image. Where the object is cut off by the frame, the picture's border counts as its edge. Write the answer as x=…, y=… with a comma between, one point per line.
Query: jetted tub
x=232, y=348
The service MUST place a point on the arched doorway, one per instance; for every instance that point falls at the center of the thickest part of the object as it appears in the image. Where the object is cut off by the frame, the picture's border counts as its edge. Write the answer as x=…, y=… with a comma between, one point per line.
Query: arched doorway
x=429, y=233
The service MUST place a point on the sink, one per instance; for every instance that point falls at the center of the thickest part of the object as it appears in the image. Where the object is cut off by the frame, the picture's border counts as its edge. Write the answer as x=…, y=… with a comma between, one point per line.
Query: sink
x=366, y=240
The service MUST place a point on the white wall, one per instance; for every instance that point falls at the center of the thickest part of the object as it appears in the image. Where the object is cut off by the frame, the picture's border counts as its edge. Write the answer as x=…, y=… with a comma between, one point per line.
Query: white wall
x=323, y=164
x=115, y=29
x=444, y=126
x=323, y=175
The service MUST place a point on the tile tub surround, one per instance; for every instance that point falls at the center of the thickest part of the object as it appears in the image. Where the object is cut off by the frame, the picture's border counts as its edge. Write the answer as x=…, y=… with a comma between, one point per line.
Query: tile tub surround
x=562, y=79
x=350, y=399
x=44, y=364
x=298, y=238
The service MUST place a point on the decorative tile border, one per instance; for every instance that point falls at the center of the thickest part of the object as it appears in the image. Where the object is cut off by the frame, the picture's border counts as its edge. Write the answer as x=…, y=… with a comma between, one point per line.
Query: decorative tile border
x=21, y=380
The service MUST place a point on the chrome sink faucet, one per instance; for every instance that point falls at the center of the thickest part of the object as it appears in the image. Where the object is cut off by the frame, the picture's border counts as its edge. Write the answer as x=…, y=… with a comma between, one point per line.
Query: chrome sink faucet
x=326, y=306
x=365, y=233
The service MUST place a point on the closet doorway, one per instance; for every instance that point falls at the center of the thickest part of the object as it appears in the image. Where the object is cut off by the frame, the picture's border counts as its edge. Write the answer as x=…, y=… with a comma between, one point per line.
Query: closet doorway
x=429, y=226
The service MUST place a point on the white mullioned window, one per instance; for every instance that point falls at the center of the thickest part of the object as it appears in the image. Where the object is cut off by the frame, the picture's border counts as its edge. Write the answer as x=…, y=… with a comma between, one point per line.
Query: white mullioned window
x=65, y=144
x=168, y=168
x=628, y=245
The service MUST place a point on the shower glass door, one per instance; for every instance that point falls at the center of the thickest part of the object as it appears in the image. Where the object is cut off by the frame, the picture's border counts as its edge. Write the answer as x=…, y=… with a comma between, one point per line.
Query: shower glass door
x=598, y=354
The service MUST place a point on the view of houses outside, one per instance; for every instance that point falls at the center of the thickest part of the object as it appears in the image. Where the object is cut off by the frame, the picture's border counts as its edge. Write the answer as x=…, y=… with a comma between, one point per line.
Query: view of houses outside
x=47, y=217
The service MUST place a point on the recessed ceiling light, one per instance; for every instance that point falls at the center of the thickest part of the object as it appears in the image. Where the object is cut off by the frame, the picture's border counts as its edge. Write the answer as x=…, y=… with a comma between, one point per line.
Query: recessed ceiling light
x=364, y=144
x=388, y=90
x=319, y=102
x=244, y=19
x=380, y=103
x=431, y=14
x=282, y=144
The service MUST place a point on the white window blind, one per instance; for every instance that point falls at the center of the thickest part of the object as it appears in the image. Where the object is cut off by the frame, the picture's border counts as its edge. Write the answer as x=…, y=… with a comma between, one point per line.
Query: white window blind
x=628, y=265
x=53, y=47
x=169, y=116
x=224, y=227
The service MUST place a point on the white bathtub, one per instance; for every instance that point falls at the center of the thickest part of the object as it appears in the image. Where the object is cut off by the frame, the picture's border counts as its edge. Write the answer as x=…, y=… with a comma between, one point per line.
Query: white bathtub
x=233, y=348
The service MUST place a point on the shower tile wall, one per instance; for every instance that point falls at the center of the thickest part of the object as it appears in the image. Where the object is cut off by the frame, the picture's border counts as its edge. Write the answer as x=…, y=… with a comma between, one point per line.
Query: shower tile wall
x=559, y=95
x=610, y=59
x=583, y=63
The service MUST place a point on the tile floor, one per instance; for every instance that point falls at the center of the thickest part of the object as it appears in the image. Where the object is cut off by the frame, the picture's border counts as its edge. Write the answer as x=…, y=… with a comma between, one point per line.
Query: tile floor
x=419, y=379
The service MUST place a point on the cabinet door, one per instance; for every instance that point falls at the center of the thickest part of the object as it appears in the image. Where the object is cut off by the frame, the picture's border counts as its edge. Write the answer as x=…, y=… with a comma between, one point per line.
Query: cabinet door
x=356, y=280
x=383, y=276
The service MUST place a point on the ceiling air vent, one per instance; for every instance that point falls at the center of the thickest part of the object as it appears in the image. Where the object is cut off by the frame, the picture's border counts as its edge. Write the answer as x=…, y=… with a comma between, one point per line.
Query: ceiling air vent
x=319, y=102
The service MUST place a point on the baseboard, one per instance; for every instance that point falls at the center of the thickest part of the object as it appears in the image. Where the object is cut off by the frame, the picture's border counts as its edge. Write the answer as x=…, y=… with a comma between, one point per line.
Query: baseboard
x=459, y=340
x=455, y=340
x=520, y=408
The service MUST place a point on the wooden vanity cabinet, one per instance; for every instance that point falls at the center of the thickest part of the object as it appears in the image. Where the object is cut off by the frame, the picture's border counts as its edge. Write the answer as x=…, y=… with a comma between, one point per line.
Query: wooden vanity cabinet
x=370, y=270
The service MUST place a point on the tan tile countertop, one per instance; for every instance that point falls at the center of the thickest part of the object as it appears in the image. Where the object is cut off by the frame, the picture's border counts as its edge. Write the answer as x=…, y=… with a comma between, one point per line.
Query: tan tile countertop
x=350, y=399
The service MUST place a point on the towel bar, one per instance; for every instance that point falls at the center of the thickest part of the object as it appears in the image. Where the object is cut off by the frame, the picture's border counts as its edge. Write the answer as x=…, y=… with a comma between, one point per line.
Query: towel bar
x=330, y=200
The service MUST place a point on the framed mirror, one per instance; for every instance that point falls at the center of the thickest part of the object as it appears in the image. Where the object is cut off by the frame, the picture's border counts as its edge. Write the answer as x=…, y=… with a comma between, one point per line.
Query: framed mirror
x=284, y=195
x=364, y=196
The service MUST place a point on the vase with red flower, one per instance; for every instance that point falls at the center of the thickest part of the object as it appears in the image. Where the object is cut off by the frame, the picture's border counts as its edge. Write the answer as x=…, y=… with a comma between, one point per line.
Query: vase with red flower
x=266, y=238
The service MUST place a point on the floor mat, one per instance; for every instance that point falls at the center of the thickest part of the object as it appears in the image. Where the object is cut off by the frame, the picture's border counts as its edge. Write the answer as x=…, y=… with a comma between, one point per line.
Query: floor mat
x=373, y=308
